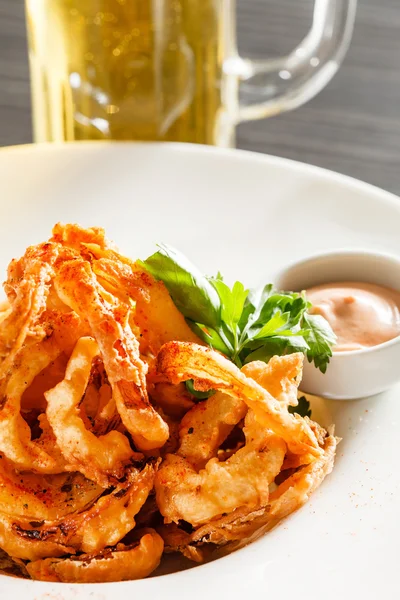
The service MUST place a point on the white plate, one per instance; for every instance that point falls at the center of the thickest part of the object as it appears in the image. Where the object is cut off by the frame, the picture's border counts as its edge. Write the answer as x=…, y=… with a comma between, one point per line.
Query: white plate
x=246, y=215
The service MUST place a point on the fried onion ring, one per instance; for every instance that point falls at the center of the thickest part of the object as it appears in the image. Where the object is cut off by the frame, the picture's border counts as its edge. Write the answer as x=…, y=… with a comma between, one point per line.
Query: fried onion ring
x=97, y=458
x=27, y=288
x=113, y=564
x=247, y=525
x=177, y=540
x=77, y=287
x=27, y=547
x=242, y=480
x=296, y=490
x=100, y=438
x=15, y=434
x=207, y=425
x=280, y=377
x=74, y=236
x=103, y=524
x=156, y=314
x=44, y=497
x=112, y=516
x=180, y=361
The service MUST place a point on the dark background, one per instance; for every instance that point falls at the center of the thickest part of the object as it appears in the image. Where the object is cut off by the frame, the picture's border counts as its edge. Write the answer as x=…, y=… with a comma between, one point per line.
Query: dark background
x=353, y=126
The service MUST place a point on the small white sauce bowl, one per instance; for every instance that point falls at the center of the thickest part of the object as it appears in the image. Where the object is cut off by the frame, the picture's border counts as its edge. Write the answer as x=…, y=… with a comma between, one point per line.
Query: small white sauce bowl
x=354, y=373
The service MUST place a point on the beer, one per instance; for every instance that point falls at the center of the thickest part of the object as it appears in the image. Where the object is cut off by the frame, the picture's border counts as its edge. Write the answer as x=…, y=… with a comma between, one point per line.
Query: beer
x=127, y=69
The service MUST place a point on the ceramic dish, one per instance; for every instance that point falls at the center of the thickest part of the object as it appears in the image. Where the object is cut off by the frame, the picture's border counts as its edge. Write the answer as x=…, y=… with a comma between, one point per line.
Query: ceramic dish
x=354, y=373
x=249, y=216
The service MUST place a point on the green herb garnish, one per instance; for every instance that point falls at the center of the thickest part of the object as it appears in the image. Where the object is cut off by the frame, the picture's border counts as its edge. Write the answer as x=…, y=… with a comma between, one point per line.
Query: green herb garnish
x=199, y=395
x=303, y=408
x=243, y=324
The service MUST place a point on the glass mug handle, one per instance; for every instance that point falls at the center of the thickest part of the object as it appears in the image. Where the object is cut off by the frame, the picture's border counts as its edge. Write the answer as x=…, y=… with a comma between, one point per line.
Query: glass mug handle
x=269, y=87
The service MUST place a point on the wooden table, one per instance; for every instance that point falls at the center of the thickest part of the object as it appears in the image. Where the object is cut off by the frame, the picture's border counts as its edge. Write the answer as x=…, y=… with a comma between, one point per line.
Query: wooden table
x=353, y=126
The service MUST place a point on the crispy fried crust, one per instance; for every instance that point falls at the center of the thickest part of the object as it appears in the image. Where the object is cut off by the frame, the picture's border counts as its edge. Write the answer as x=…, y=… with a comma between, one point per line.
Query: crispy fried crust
x=245, y=525
x=15, y=435
x=44, y=497
x=98, y=458
x=221, y=487
x=119, y=564
x=102, y=524
x=77, y=287
x=106, y=459
x=180, y=361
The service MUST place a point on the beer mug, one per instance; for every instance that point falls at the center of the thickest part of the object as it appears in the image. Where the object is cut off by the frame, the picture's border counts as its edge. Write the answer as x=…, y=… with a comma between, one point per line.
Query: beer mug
x=166, y=70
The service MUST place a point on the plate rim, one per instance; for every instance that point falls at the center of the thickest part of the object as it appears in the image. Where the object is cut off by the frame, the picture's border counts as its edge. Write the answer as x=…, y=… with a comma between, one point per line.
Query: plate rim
x=110, y=590
x=230, y=153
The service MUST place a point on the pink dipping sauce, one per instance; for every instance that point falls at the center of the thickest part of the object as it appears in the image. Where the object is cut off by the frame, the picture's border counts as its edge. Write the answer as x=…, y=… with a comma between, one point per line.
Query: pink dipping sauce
x=361, y=314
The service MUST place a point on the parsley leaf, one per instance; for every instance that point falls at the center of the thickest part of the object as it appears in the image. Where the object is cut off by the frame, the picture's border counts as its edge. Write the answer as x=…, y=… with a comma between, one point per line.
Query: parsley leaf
x=274, y=346
x=303, y=408
x=320, y=338
x=193, y=294
x=232, y=304
x=243, y=324
x=199, y=395
x=232, y=301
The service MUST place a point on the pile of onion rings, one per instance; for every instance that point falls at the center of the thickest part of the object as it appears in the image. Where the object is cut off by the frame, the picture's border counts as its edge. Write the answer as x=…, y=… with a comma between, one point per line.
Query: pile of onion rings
x=106, y=459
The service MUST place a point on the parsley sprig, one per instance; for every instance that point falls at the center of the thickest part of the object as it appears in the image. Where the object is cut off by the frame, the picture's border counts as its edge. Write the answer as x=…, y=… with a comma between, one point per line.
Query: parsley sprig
x=303, y=407
x=243, y=324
